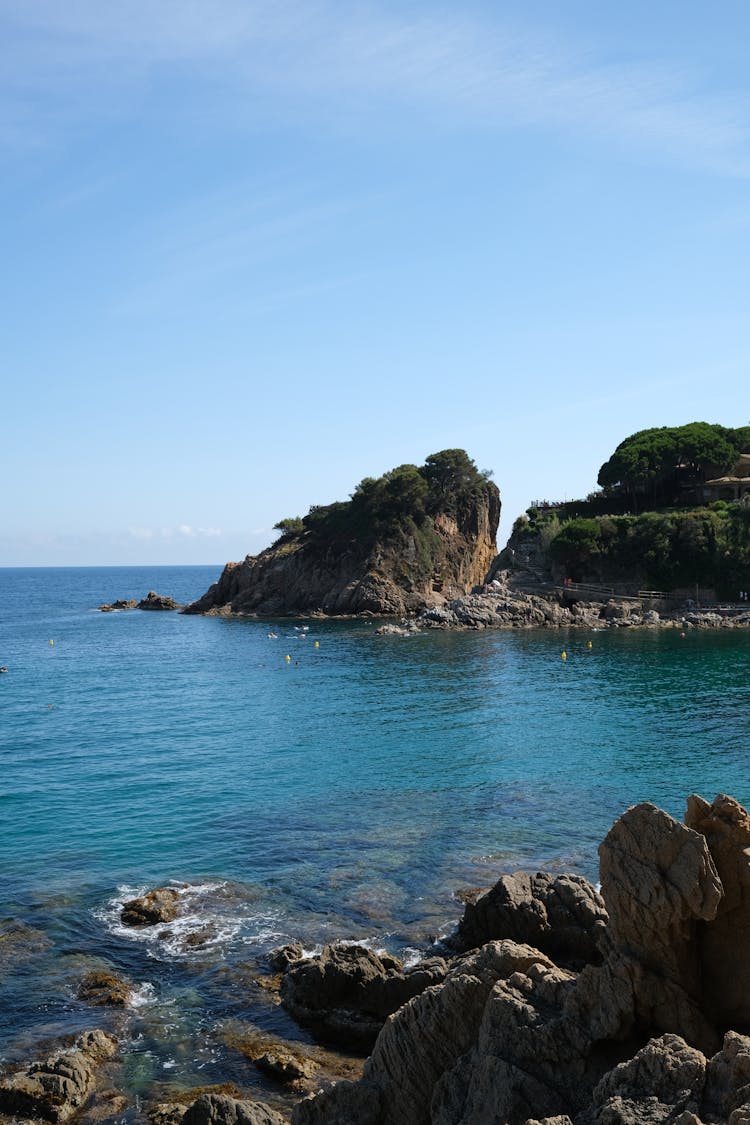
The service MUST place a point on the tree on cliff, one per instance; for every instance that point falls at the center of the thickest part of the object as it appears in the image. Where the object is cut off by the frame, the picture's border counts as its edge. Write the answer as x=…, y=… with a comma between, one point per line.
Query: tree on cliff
x=452, y=477
x=655, y=465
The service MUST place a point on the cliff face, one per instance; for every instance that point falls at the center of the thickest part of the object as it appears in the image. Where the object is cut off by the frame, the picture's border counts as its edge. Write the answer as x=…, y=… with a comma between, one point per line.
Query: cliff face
x=440, y=557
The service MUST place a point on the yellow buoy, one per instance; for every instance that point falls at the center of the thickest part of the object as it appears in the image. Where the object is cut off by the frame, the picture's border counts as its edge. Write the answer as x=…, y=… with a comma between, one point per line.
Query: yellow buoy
x=563, y=655
x=317, y=644
x=590, y=644
x=288, y=659
x=51, y=642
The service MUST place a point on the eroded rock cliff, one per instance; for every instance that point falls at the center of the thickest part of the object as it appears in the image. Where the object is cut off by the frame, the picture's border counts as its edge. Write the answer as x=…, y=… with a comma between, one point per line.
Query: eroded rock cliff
x=415, y=536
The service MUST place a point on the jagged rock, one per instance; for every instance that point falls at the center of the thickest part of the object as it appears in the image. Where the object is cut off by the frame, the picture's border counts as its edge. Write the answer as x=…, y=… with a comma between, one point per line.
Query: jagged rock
x=104, y=990
x=561, y=915
x=419, y=1044
x=658, y=881
x=510, y=1037
x=727, y=1090
x=57, y=1087
x=219, y=1109
x=121, y=603
x=166, y=1113
x=159, y=905
x=665, y=1078
x=723, y=945
x=157, y=601
x=285, y=955
x=347, y=992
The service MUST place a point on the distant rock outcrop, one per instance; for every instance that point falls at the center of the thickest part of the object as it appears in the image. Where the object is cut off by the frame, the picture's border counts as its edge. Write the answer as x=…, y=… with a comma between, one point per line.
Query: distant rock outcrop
x=413, y=537
x=157, y=601
x=652, y=1034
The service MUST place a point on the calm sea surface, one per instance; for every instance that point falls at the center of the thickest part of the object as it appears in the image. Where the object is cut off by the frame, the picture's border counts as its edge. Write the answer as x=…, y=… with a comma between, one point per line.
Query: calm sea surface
x=345, y=793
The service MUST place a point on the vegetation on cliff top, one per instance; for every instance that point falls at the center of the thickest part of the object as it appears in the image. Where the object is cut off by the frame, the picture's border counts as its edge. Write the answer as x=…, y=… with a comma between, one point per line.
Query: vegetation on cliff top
x=402, y=501
x=656, y=466
x=677, y=542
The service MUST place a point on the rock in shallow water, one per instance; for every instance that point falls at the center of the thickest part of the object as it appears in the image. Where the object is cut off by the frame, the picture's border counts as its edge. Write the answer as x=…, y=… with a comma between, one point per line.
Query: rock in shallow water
x=60, y=1085
x=157, y=906
x=347, y=992
x=104, y=989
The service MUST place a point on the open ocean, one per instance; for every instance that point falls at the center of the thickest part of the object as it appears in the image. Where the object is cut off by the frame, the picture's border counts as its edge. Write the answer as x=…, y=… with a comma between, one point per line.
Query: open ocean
x=346, y=793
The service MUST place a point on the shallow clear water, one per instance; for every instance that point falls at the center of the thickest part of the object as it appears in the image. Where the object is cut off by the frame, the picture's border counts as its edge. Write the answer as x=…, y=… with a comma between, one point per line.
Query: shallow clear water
x=346, y=793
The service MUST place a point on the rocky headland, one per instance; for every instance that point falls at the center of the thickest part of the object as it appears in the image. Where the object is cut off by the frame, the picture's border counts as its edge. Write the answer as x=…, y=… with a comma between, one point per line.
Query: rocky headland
x=414, y=537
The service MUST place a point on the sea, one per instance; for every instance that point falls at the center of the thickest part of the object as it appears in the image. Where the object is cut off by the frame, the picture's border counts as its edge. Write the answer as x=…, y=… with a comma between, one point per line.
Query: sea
x=303, y=780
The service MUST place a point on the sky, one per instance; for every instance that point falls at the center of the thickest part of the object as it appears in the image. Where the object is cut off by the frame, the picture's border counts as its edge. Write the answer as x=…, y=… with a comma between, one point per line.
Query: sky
x=255, y=251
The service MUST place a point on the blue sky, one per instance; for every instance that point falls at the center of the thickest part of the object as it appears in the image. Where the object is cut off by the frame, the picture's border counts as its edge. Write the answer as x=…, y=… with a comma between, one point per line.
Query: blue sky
x=254, y=252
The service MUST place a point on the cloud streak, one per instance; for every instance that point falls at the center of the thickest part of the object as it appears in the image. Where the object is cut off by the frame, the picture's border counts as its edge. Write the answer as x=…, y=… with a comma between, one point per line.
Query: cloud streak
x=357, y=60
x=182, y=530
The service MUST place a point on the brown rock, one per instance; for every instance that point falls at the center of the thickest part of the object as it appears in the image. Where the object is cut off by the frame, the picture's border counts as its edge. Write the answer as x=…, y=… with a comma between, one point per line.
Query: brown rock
x=104, y=990
x=659, y=881
x=665, y=1078
x=347, y=992
x=157, y=906
x=286, y=1062
x=158, y=602
x=285, y=955
x=561, y=915
x=219, y=1109
x=510, y=1037
x=422, y=1042
x=61, y=1084
x=723, y=943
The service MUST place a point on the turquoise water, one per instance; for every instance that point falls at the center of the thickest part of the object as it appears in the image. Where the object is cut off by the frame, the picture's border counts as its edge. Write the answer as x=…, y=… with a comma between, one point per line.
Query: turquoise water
x=345, y=793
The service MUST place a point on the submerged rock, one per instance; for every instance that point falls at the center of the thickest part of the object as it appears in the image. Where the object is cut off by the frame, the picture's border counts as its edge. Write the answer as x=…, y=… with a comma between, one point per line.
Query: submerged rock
x=104, y=989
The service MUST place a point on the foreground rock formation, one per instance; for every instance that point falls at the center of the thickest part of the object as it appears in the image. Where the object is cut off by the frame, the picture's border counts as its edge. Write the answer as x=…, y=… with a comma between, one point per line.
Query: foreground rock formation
x=346, y=993
x=654, y=1032
x=57, y=1087
x=414, y=537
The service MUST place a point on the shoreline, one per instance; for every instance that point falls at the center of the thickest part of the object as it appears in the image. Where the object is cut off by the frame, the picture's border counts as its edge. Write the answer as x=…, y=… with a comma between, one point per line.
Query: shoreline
x=549, y=1000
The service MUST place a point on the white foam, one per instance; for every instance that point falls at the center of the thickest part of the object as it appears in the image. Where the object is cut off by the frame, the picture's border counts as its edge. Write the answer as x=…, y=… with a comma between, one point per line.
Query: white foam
x=218, y=920
x=142, y=995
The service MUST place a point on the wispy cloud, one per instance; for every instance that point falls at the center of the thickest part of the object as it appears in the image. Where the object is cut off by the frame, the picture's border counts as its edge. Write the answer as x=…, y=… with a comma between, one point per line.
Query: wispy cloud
x=90, y=57
x=182, y=530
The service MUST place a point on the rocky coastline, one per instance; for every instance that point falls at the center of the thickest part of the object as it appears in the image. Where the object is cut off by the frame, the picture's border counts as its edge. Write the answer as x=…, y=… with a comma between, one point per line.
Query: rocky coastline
x=553, y=1001
x=516, y=600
